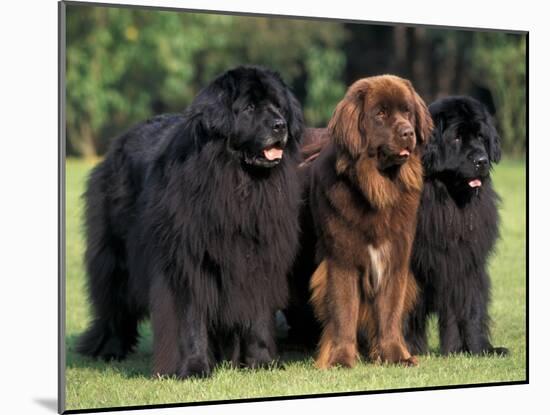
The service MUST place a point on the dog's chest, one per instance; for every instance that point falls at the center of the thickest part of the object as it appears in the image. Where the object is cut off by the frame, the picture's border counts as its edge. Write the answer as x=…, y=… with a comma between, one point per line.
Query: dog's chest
x=376, y=267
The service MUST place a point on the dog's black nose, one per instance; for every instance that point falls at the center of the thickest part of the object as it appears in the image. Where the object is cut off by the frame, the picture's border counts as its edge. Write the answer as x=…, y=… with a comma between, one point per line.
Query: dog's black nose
x=481, y=162
x=279, y=125
x=406, y=133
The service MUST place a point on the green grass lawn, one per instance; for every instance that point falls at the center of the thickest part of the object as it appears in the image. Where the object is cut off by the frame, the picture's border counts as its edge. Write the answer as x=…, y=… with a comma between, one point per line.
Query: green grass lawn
x=92, y=384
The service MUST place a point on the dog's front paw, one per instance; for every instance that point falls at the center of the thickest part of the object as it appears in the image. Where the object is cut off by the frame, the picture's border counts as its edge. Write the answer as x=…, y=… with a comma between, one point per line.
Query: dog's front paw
x=396, y=353
x=342, y=355
x=502, y=351
x=411, y=361
x=194, y=367
x=260, y=358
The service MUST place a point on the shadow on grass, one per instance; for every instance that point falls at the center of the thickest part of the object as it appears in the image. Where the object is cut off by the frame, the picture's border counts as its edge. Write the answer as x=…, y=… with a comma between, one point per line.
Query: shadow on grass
x=138, y=363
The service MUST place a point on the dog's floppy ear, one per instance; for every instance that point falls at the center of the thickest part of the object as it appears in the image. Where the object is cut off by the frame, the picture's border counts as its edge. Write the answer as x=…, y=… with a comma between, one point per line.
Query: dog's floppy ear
x=424, y=123
x=213, y=106
x=493, y=140
x=295, y=117
x=346, y=125
x=431, y=154
x=208, y=117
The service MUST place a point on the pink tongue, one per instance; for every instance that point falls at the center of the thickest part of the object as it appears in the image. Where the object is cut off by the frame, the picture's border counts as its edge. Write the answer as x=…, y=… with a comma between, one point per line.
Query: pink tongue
x=475, y=183
x=405, y=153
x=273, y=153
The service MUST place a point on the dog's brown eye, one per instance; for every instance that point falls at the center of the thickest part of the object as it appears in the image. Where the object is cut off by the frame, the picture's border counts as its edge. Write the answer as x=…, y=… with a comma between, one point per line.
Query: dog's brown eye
x=381, y=113
x=458, y=139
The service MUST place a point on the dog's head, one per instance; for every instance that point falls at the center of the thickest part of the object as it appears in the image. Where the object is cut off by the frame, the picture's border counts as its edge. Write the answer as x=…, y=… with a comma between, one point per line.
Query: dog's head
x=383, y=116
x=465, y=142
x=253, y=110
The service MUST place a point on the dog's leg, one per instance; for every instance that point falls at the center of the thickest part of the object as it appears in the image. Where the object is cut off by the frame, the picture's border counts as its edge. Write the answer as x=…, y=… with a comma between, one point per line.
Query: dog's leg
x=114, y=330
x=416, y=330
x=449, y=333
x=476, y=339
x=390, y=308
x=111, y=336
x=180, y=333
x=164, y=322
x=193, y=342
x=416, y=335
x=113, y=333
x=339, y=312
x=234, y=349
x=476, y=325
x=259, y=341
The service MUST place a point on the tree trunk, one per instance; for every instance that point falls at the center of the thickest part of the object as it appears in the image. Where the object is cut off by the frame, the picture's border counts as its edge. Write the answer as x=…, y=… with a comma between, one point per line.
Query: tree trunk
x=447, y=67
x=419, y=68
x=88, y=147
x=400, y=48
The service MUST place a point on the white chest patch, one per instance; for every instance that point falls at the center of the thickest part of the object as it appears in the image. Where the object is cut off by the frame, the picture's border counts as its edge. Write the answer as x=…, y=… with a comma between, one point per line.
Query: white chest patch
x=377, y=269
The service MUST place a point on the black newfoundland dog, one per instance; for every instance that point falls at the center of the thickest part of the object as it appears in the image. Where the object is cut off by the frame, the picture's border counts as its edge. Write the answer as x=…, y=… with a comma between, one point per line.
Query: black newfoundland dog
x=193, y=219
x=457, y=229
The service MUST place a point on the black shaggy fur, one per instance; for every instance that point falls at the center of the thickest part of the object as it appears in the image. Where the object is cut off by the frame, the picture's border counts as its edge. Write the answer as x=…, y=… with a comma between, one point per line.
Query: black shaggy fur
x=188, y=219
x=457, y=229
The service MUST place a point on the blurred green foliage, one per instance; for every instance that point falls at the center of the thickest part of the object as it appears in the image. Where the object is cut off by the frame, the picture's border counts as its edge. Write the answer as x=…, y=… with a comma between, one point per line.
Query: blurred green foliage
x=126, y=64
x=499, y=60
x=323, y=67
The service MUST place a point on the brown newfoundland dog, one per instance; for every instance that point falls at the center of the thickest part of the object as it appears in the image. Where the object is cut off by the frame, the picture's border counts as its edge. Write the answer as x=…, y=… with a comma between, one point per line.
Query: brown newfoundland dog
x=362, y=193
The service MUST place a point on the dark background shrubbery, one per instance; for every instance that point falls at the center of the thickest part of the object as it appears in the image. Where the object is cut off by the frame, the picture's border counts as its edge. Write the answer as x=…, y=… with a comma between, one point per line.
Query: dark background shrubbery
x=124, y=65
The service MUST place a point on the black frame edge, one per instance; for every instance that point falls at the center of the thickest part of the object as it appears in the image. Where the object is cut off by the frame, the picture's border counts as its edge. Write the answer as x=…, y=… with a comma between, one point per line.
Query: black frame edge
x=62, y=361
x=527, y=206
x=293, y=397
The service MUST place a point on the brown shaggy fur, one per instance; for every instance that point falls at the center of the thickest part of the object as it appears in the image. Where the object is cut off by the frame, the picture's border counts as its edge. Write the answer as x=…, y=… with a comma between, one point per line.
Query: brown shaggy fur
x=364, y=191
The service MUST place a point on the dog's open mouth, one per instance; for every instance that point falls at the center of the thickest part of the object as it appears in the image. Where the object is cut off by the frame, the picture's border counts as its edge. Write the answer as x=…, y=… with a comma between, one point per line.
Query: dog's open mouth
x=401, y=157
x=270, y=156
x=404, y=154
x=474, y=183
x=274, y=152
x=390, y=158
